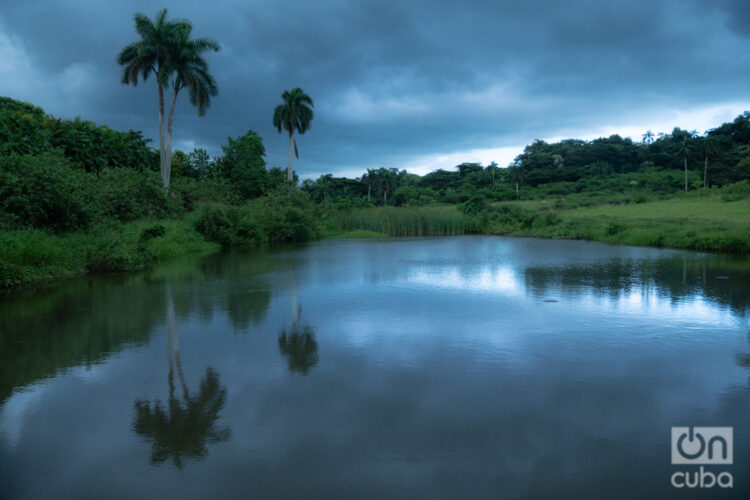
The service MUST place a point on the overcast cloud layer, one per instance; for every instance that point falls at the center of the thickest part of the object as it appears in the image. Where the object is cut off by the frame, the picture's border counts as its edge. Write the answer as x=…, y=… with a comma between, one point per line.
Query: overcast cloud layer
x=416, y=85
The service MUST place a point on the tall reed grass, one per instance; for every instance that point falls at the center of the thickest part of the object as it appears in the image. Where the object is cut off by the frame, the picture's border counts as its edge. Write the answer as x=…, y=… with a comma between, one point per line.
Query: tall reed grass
x=402, y=221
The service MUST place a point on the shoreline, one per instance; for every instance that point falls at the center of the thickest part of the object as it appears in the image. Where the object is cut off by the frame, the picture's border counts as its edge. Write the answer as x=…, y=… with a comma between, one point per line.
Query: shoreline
x=30, y=256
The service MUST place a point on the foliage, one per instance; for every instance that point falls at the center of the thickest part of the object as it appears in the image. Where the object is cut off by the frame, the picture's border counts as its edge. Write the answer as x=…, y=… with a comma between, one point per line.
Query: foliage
x=94, y=148
x=230, y=227
x=126, y=194
x=43, y=192
x=166, y=50
x=243, y=166
x=294, y=114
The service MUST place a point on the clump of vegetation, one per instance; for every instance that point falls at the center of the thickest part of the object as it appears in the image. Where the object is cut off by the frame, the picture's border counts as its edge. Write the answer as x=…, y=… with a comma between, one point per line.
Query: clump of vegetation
x=392, y=221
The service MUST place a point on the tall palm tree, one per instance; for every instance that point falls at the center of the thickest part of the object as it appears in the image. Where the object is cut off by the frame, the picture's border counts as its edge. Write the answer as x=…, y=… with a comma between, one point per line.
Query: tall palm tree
x=191, y=73
x=710, y=148
x=686, y=149
x=166, y=51
x=294, y=114
x=648, y=137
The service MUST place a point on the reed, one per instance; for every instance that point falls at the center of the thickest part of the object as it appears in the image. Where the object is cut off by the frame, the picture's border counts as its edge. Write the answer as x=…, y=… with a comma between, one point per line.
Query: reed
x=402, y=221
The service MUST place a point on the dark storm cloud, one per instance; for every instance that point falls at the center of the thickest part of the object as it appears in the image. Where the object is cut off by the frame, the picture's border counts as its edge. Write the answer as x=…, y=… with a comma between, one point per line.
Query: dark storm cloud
x=392, y=81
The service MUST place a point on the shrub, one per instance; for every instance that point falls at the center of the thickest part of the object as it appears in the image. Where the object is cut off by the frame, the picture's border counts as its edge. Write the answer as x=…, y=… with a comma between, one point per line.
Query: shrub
x=736, y=191
x=43, y=192
x=229, y=226
x=126, y=194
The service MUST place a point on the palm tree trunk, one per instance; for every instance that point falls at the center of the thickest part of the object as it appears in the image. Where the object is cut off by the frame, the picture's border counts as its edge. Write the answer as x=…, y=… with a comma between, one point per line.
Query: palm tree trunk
x=705, y=173
x=686, y=176
x=289, y=171
x=162, y=149
x=168, y=155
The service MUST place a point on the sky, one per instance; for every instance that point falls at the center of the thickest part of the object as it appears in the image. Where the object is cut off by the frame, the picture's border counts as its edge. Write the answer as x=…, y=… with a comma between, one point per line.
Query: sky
x=415, y=85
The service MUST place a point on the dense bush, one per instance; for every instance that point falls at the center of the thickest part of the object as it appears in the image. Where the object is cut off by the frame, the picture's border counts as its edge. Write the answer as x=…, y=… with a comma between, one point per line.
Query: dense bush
x=44, y=192
x=126, y=194
x=243, y=166
x=230, y=226
x=94, y=147
x=286, y=216
x=736, y=191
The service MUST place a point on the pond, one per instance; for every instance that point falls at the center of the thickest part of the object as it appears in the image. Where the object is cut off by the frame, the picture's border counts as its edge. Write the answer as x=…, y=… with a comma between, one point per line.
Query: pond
x=462, y=367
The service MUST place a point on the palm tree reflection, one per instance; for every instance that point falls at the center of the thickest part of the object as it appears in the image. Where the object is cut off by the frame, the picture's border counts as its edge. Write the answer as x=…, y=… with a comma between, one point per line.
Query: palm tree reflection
x=183, y=428
x=298, y=344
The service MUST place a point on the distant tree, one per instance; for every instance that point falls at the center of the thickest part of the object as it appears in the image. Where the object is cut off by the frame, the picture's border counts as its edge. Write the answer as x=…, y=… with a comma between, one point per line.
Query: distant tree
x=166, y=50
x=278, y=177
x=200, y=164
x=648, y=137
x=515, y=176
x=710, y=148
x=492, y=167
x=557, y=161
x=686, y=149
x=244, y=167
x=295, y=114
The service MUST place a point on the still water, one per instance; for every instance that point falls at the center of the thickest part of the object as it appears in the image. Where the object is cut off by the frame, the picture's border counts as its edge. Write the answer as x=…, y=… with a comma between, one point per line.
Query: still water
x=466, y=367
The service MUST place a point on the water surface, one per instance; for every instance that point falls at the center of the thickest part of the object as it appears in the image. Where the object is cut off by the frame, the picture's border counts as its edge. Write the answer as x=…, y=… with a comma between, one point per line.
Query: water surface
x=466, y=367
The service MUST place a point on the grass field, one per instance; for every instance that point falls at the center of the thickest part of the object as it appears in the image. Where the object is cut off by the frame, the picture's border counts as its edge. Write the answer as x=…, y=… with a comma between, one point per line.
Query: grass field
x=708, y=223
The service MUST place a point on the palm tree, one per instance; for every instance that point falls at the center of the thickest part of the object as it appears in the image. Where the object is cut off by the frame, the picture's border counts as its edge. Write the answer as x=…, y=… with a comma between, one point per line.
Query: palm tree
x=710, y=148
x=166, y=51
x=648, y=137
x=492, y=168
x=295, y=114
x=686, y=149
x=191, y=73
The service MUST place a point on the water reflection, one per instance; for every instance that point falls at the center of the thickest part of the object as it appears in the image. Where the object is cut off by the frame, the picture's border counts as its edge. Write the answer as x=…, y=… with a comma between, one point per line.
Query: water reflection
x=676, y=279
x=298, y=344
x=459, y=367
x=181, y=429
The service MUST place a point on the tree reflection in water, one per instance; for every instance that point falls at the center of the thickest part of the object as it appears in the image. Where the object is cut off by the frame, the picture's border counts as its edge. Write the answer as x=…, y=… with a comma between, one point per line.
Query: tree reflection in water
x=183, y=428
x=298, y=344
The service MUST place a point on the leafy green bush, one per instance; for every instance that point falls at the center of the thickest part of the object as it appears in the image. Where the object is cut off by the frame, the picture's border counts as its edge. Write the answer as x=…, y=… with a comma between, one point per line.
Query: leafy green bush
x=736, y=191
x=125, y=194
x=44, y=192
x=230, y=226
x=95, y=147
x=24, y=128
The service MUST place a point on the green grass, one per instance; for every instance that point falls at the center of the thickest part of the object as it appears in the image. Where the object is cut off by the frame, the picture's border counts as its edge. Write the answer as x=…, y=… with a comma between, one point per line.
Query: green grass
x=707, y=224
x=32, y=255
x=396, y=221
x=685, y=221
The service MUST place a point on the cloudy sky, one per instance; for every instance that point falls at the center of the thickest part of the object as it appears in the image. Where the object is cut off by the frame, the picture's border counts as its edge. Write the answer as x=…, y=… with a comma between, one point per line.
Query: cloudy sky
x=411, y=84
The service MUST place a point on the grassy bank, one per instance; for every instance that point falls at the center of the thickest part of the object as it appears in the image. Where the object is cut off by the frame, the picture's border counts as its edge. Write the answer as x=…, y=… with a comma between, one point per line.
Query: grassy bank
x=706, y=224
x=33, y=255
